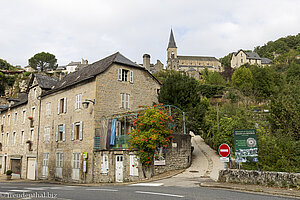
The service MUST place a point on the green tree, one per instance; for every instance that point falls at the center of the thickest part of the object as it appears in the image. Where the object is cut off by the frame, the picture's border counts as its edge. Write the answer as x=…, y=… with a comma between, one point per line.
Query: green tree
x=4, y=65
x=183, y=91
x=226, y=60
x=242, y=79
x=293, y=73
x=43, y=61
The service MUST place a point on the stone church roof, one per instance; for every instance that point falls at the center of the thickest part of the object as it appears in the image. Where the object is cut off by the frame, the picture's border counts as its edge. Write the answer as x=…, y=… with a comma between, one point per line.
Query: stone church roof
x=200, y=58
x=172, y=43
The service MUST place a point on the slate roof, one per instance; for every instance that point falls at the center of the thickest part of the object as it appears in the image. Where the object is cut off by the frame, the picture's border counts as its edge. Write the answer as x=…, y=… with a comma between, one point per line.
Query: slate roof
x=252, y=55
x=196, y=66
x=93, y=70
x=22, y=99
x=172, y=43
x=200, y=58
x=266, y=61
x=45, y=82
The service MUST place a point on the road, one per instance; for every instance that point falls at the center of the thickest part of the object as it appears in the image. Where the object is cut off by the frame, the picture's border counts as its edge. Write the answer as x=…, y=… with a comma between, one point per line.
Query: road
x=147, y=191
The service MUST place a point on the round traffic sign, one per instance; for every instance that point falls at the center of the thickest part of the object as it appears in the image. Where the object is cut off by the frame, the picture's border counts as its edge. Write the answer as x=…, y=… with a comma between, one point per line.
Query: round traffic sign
x=224, y=150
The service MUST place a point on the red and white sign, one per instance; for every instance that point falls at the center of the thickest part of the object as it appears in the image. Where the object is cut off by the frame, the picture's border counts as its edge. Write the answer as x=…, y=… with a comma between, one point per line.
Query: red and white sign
x=224, y=150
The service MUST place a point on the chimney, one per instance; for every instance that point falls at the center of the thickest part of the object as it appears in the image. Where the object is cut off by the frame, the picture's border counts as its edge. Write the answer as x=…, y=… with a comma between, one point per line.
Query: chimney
x=146, y=61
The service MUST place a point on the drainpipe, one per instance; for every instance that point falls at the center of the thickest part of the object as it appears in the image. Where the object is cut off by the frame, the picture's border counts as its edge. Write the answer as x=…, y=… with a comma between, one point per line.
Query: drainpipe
x=37, y=141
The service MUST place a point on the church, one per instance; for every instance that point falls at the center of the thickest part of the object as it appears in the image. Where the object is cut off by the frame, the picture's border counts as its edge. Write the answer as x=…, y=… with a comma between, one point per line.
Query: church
x=189, y=64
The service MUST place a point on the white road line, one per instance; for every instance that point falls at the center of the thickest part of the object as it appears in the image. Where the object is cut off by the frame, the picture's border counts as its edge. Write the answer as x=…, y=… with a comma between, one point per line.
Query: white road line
x=148, y=184
x=20, y=191
x=161, y=194
x=8, y=187
x=97, y=189
x=61, y=188
x=35, y=188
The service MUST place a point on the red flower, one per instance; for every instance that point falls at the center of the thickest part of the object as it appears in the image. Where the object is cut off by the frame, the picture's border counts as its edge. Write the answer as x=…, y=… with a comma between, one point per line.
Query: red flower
x=148, y=158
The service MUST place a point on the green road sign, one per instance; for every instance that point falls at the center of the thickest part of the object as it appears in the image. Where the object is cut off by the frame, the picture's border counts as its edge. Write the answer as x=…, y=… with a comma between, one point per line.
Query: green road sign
x=245, y=144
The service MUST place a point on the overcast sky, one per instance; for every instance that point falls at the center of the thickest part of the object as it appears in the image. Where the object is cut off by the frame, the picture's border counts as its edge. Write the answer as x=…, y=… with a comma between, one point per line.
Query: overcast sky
x=94, y=29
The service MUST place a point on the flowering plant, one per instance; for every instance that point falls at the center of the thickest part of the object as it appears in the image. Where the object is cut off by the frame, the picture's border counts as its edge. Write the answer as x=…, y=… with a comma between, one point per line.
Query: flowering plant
x=152, y=130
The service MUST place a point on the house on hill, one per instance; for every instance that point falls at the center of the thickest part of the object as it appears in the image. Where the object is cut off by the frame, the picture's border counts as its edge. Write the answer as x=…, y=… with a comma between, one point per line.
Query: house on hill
x=242, y=57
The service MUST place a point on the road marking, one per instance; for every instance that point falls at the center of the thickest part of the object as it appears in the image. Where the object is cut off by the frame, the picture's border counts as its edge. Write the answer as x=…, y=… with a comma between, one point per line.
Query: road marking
x=161, y=194
x=97, y=189
x=61, y=188
x=148, y=184
x=8, y=187
x=19, y=190
x=35, y=188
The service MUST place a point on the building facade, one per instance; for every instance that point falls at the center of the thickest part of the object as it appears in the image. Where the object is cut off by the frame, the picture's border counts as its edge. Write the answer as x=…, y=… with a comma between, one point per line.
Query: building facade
x=189, y=63
x=242, y=57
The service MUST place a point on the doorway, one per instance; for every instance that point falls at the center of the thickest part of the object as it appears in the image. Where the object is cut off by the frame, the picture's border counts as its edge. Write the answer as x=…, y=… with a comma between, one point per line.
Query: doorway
x=119, y=168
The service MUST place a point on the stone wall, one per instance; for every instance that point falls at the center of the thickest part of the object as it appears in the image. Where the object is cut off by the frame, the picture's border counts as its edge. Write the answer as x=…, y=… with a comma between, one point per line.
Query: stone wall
x=282, y=179
x=178, y=154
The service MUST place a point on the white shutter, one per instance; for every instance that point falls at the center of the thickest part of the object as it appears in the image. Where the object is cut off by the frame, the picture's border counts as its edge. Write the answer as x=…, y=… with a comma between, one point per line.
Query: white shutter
x=64, y=132
x=58, y=106
x=72, y=134
x=45, y=134
x=131, y=76
x=120, y=74
x=56, y=133
x=127, y=101
x=80, y=131
x=65, y=105
x=122, y=100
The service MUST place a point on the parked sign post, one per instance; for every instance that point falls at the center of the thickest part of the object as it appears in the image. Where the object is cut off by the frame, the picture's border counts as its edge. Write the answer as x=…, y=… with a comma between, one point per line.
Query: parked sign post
x=245, y=144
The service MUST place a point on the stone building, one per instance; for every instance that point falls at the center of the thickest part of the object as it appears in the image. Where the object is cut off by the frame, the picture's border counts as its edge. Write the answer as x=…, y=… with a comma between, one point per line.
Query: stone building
x=185, y=63
x=61, y=129
x=19, y=129
x=153, y=68
x=242, y=57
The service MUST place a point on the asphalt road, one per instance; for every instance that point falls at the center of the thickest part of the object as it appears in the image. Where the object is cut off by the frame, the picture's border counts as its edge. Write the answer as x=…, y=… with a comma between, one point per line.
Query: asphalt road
x=147, y=191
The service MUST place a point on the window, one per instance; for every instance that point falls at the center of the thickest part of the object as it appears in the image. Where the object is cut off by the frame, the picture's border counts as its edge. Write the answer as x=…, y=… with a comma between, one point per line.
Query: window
x=8, y=119
x=47, y=134
x=104, y=164
x=241, y=60
x=125, y=100
x=14, y=138
x=48, y=109
x=76, y=160
x=59, y=160
x=3, y=120
x=22, y=137
x=34, y=93
x=125, y=75
x=7, y=139
x=24, y=115
x=77, y=131
x=33, y=112
x=60, y=133
x=62, y=106
x=31, y=134
x=78, y=102
x=16, y=117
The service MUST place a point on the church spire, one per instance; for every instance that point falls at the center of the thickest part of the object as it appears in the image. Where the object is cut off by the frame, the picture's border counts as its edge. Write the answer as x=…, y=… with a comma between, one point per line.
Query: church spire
x=172, y=43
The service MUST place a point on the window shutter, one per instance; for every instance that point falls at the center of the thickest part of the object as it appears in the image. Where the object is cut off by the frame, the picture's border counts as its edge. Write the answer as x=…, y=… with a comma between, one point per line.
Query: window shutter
x=58, y=106
x=65, y=105
x=72, y=134
x=127, y=100
x=56, y=133
x=120, y=74
x=131, y=76
x=80, y=131
x=64, y=132
x=122, y=100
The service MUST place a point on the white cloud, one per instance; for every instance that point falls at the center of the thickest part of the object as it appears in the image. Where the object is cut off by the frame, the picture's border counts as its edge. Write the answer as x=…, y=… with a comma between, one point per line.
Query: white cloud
x=93, y=29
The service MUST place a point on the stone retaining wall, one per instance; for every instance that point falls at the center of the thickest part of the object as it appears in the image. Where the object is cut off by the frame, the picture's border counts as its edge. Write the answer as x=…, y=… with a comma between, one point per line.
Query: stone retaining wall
x=282, y=179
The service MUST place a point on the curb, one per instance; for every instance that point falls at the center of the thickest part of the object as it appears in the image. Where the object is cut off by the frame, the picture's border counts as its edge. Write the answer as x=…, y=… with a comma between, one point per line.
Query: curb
x=247, y=189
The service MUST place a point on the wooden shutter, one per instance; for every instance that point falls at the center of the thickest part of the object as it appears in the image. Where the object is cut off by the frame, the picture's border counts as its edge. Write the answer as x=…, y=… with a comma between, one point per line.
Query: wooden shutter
x=64, y=132
x=80, y=131
x=58, y=106
x=120, y=74
x=127, y=101
x=56, y=133
x=72, y=133
x=65, y=105
x=131, y=76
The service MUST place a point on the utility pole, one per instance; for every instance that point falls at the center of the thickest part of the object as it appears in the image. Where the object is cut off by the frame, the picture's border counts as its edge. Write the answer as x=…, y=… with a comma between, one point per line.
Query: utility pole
x=218, y=116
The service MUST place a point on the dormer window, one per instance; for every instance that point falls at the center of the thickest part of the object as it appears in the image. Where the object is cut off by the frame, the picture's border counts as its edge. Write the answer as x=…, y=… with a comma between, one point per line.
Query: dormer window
x=125, y=75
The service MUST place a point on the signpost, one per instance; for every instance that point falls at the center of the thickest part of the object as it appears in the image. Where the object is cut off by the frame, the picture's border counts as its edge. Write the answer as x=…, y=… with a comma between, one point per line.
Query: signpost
x=245, y=143
x=224, y=152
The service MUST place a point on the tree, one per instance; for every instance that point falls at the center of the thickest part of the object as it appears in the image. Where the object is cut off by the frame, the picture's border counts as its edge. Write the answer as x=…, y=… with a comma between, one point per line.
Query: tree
x=43, y=61
x=242, y=79
x=4, y=65
x=226, y=60
x=293, y=73
x=183, y=91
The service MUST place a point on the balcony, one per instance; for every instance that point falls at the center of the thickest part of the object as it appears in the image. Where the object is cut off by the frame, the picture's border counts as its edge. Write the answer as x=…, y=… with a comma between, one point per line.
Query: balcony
x=122, y=142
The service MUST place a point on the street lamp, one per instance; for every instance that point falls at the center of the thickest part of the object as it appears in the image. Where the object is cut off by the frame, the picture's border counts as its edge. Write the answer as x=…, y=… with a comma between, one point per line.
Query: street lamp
x=86, y=103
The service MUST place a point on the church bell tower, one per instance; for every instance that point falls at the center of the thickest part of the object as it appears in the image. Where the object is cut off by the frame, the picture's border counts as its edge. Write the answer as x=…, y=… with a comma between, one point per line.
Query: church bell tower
x=172, y=60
